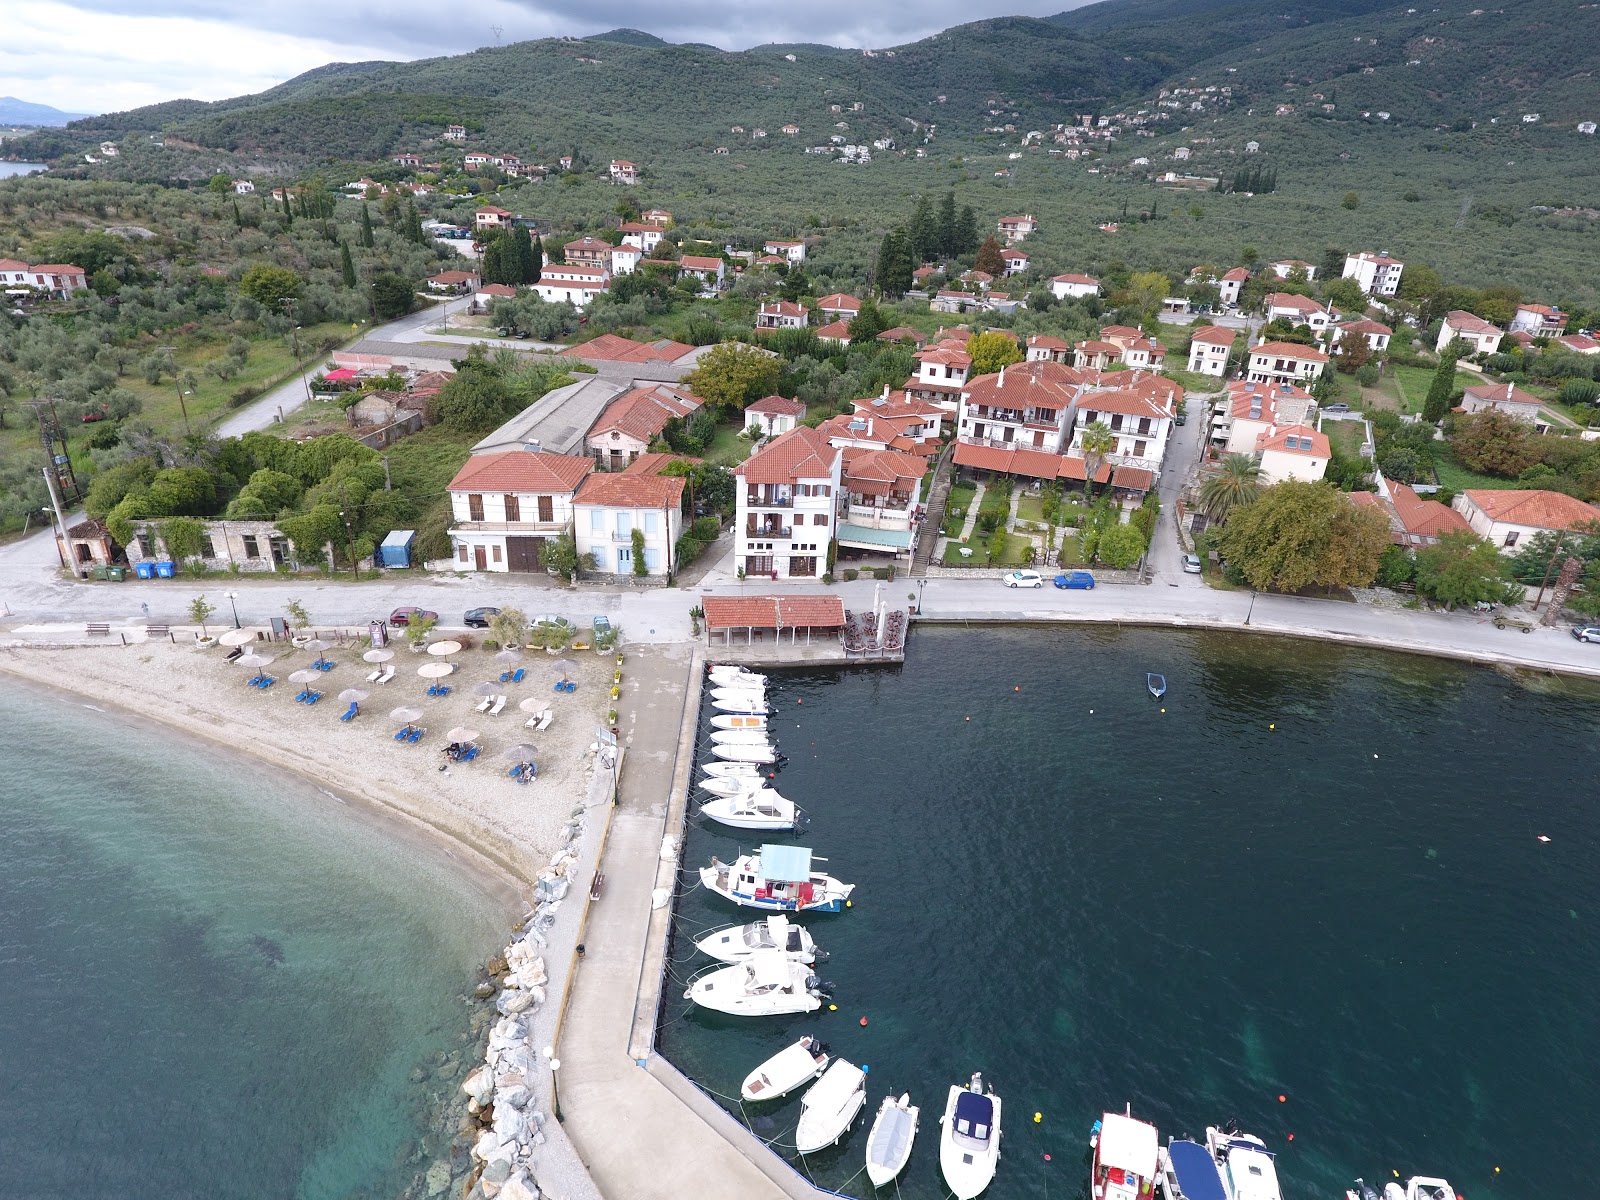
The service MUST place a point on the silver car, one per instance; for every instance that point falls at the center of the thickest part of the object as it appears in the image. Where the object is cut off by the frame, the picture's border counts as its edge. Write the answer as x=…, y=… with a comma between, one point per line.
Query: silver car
x=1191, y=564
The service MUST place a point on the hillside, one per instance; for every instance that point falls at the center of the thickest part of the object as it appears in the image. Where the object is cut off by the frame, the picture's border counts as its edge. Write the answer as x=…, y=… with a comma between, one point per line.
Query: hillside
x=24, y=112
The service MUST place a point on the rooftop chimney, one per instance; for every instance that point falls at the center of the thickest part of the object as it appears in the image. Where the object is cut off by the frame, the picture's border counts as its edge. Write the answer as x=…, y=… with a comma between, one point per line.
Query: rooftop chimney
x=1001, y=382
x=532, y=446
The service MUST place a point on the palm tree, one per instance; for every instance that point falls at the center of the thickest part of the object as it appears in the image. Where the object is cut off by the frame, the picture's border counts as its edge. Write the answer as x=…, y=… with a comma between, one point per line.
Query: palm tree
x=1236, y=482
x=1097, y=442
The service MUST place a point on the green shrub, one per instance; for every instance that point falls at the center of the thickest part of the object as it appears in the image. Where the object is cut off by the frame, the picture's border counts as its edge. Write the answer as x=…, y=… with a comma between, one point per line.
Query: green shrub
x=851, y=574
x=706, y=529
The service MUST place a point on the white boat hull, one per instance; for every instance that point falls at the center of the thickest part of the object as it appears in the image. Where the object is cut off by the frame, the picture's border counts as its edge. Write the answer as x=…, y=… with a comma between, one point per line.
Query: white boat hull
x=736, y=943
x=829, y=1107
x=967, y=1164
x=734, y=785
x=786, y=1070
x=739, y=693
x=738, y=721
x=746, y=754
x=755, y=704
x=735, y=990
x=763, y=809
x=889, y=1143
x=828, y=894
x=722, y=673
x=730, y=770
x=740, y=737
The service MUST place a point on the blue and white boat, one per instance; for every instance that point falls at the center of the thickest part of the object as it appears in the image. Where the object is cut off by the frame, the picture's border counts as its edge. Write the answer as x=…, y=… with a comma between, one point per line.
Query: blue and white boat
x=777, y=879
x=969, y=1142
x=1244, y=1164
x=1188, y=1172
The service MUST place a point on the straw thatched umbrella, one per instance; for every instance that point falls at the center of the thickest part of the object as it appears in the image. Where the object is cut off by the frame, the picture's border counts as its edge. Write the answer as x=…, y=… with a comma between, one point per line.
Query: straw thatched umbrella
x=522, y=752
x=448, y=646
x=435, y=670
x=260, y=662
x=317, y=646
x=564, y=667
x=406, y=714
x=508, y=656
x=462, y=733
x=237, y=637
x=533, y=704
x=306, y=676
x=378, y=656
x=354, y=696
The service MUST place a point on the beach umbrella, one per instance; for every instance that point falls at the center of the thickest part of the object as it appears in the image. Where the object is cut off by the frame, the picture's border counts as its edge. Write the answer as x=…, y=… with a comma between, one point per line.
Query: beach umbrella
x=317, y=646
x=438, y=649
x=462, y=734
x=486, y=689
x=507, y=656
x=378, y=656
x=534, y=704
x=435, y=670
x=564, y=667
x=307, y=676
x=407, y=715
x=354, y=695
x=522, y=752
x=237, y=637
x=257, y=662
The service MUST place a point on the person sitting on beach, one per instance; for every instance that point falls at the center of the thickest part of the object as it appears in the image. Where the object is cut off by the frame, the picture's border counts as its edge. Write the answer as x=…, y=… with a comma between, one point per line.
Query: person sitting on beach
x=453, y=749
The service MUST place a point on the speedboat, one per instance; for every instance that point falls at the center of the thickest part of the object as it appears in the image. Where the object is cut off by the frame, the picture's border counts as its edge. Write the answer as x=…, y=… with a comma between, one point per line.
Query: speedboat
x=969, y=1142
x=738, y=721
x=1245, y=1164
x=735, y=943
x=738, y=692
x=746, y=752
x=777, y=878
x=734, y=785
x=741, y=737
x=1125, y=1151
x=786, y=1070
x=829, y=1105
x=726, y=673
x=762, y=809
x=752, y=703
x=768, y=984
x=1418, y=1187
x=729, y=770
x=1189, y=1172
x=889, y=1143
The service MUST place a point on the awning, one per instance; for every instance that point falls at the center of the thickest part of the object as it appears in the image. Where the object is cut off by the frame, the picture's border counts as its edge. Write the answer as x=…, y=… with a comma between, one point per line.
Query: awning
x=790, y=863
x=773, y=612
x=1129, y=1144
x=868, y=538
x=340, y=376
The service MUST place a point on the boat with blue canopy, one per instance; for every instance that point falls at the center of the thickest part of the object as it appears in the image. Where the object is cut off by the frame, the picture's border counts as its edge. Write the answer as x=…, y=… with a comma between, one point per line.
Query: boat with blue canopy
x=969, y=1140
x=1188, y=1172
x=778, y=879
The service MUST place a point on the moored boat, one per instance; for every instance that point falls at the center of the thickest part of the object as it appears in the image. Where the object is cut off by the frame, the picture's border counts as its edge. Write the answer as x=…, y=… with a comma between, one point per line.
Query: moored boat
x=969, y=1138
x=735, y=943
x=739, y=721
x=724, y=673
x=739, y=692
x=797, y=1063
x=729, y=770
x=889, y=1143
x=1124, y=1160
x=829, y=1105
x=1418, y=1187
x=741, y=737
x=1244, y=1163
x=776, y=878
x=1187, y=1171
x=734, y=785
x=746, y=752
x=1157, y=684
x=751, y=702
x=768, y=984
x=761, y=809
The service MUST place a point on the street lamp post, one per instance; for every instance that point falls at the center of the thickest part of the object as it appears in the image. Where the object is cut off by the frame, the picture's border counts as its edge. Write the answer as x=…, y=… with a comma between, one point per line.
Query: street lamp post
x=1252, y=607
x=921, y=587
x=232, y=597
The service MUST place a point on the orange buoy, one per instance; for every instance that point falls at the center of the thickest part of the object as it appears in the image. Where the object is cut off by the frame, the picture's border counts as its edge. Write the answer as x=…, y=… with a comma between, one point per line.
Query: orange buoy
x=1282, y=1099
x=863, y=1020
x=1291, y=1137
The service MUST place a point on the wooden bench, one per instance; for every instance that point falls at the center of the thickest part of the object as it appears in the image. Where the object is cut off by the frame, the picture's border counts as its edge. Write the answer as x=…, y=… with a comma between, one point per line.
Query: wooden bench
x=97, y=629
x=157, y=631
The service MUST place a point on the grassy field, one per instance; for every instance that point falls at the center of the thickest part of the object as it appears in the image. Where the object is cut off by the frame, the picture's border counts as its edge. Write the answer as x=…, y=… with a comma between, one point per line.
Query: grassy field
x=1346, y=437
x=728, y=449
x=1411, y=385
x=1457, y=478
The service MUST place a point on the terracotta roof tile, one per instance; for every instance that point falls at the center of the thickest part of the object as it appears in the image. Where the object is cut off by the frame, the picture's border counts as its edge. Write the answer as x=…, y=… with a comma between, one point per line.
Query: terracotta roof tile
x=773, y=612
x=626, y=489
x=1541, y=510
x=799, y=454
x=1428, y=518
x=643, y=412
x=778, y=406
x=521, y=471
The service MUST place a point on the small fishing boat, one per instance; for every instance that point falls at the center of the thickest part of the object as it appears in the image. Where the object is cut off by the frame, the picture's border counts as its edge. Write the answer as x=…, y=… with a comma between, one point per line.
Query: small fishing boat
x=723, y=674
x=1124, y=1153
x=889, y=1143
x=738, y=721
x=735, y=943
x=729, y=770
x=746, y=753
x=741, y=737
x=767, y=984
x=763, y=809
x=1187, y=1171
x=829, y=1105
x=734, y=785
x=755, y=705
x=1157, y=685
x=1244, y=1164
x=969, y=1142
x=786, y=1070
x=777, y=878
x=738, y=692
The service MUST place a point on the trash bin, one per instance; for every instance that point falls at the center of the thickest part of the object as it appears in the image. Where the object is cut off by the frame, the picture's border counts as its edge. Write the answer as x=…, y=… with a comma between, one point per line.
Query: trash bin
x=102, y=573
x=164, y=570
x=145, y=570
x=117, y=574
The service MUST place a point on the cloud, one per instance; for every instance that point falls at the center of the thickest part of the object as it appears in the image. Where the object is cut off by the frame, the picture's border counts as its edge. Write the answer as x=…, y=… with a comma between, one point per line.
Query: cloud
x=106, y=55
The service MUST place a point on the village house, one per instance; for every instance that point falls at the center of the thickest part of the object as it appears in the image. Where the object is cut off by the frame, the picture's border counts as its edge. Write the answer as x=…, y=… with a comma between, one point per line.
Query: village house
x=1016, y=261
x=634, y=420
x=1286, y=267
x=1295, y=452
x=791, y=130
x=892, y=421
x=1541, y=320
x=488, y=293
x=709, y=271
x=60, y=280
x=624, y=172
x=575, y=284
x=924, y=273
x=455, y=133
x=625, y=259
x=1508, y=518
x=941, y=376
x=243, y=187
x=978, y=281
x=904, y=333
x=791, y=252
x=1094, y=354
x=250, y=547
x=1017, y=409
x=608, y=508
x=773, y=416
x=1375, y=274
x=1480, y=336
x=1579, y=343
x=1378, y=335
x=950, y=301
x=1209, y=348
x=1140, y=417
x=588, y=251
x=1145, y=354
x=780, y=314
x=656, y=216
x=473, y=161
x=835, y=333
x=506, y=507
x=788, y=493
x=457, y=283
x=1298, y=310
x=884, y=501
x=1250, y=412
x=1016, y=229
x=645, y=237
x=490, y=217
x=1041, y=347
x=1507, y=398
x=838, y=306
x=1065, y=287
x=1230, y=285
x=406, y=160
x=1284, y=362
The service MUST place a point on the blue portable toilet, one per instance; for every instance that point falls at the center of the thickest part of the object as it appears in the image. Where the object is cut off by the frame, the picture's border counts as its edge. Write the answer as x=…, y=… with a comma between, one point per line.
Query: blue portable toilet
x=396, y=548
x=165, y=570
x=145, y=570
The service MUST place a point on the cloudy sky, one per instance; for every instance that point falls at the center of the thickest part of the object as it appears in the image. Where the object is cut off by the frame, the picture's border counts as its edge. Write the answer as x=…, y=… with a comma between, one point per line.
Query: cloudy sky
x=106, y=55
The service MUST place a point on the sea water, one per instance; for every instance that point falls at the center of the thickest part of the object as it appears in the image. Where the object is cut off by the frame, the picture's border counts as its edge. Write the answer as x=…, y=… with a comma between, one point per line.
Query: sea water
x=217, y=980
x=1308, y=872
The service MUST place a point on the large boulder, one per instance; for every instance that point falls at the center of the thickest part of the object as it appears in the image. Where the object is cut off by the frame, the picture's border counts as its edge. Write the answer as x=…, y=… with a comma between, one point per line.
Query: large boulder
x=513, y=1001
x=479, y=1085
x=519, y=1187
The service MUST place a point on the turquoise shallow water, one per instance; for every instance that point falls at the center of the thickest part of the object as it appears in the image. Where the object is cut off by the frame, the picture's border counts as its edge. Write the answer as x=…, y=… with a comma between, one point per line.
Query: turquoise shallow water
x=217, y=979
x=1192, y=911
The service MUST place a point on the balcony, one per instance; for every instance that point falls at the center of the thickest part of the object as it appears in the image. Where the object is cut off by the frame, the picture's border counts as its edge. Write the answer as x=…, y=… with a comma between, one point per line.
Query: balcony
x=531, y=528
x=775, y=532
x=770, y=500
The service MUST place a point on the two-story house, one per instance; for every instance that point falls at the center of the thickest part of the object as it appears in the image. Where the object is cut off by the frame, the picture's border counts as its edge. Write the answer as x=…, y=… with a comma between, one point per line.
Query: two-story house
x=1209, y=347
x=941, y=376
x=587, y=251
x=793, y=253
x=1231, y=284
x=839, y=306
x=772, y=416
x=1481, y=336
x=708, y=270
x=635, y=419
x=624, y=172
x=1249, y=411
x=1377, y=334
x=1509, y=399
x=1015, y=229
x=1144, y=354
x=1295, y=452
x=491, y=217
x=1016, y=261
x=1286, y=267
x=625, y=259
x=1093, y=354
x=1141, y=422
x=1041, y=347
x=1284, y=362
x=1073, y=287
x=788, y=494
x=646, y=237
x=884, y=500
x=1510, y=518
x=608, y=507
x=1297, y=310
x=1017, y=409
x=1540, y=320
x=780, y=314
x=504, y=507
x=1375, y=274
x=576, y=285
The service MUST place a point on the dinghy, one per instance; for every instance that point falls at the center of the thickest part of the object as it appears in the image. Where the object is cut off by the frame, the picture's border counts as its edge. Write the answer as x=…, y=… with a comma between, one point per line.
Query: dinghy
x=738, y=721
x=889, y=1143
x=763, y=809
x=735, y=943
x=756, y=706
x=969, y=1143
x=723, y=674
x=829, y=1105
x=734, y=785
x=741, y=737
x=727, y=770
x=746, y=753
x=786, y=1070
x=768, y=984
x=1157, y=685
x=776, y=878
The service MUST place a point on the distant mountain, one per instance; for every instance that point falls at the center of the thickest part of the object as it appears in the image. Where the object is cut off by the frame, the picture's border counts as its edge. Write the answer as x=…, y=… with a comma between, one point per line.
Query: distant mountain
x=22, y=112
x=628, y=37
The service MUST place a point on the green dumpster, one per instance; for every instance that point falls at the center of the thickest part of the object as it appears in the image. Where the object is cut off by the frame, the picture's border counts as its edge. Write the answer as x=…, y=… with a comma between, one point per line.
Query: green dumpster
x=102, y=573
x=117, y=574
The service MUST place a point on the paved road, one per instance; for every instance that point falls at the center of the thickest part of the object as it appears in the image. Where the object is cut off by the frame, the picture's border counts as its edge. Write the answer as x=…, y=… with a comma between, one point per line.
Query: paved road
x=1182, y=460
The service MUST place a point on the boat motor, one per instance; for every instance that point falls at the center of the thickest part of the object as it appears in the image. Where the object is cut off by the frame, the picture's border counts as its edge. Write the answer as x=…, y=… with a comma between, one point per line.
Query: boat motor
x=819, y=986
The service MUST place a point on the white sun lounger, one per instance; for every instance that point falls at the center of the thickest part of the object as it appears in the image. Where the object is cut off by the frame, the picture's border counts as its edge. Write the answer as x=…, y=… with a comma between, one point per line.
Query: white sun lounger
x=483, y=705
x=373, y=678
x=388, y=674
x=499, y=703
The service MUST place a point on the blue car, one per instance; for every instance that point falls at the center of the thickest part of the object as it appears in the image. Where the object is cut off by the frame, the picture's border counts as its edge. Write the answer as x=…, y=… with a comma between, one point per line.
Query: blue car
x=1075, y=579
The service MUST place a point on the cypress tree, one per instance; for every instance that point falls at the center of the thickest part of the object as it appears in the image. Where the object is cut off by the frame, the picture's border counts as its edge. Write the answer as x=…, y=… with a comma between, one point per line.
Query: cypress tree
x=288, y=213
x=967, y=230
x=924, y=230
x=894, y=263
x=238, y=221
x=366, y=227
x=949, y=224
x=414, y=224
x=1440, y=390
x=493, y=266
x=537, y=270
x=522, y=247
x=347, y=264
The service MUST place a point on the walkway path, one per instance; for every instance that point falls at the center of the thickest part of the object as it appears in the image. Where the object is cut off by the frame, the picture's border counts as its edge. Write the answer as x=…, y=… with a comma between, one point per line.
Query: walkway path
x=971, y=522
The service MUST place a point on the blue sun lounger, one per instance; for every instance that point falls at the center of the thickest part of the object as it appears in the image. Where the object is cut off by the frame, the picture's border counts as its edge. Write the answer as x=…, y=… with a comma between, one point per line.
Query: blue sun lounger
x=313, y=697
x=350, y=713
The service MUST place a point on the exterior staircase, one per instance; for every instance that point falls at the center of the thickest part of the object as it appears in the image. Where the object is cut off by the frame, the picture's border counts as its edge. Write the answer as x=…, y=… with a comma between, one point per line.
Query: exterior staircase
x=933, y=520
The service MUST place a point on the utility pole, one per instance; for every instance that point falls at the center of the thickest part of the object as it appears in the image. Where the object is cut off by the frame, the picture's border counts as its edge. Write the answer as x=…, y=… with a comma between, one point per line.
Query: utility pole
x=61, y=520
x=388, y=484
x=177, y=380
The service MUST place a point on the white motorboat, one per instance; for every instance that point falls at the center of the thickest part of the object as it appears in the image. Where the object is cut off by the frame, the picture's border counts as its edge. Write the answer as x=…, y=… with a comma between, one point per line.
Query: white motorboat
x=746, y=752
x=829, y=1105
x=969, y=1142
x=739, y=692
x=725, y=673
x=738, y=721
x=729, y=770
x=752, y=704
x=735, y=943
x=763, y=809
x=776, y=878
x=1189, y=1172
x=1245, y=1164
x=786, y=1070
x=889, y=1143
x=734, y=785
x=767, y=984
x=741, y=737
x=1418, y=1187
x=1125, y=1154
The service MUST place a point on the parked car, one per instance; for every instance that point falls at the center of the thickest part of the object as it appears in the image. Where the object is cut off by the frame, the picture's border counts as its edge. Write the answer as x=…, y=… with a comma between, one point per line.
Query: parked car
x=1077, y=580
x=1336, y=408
x=602, y=627
x=404, y=616
x=1191, y=564
x=1587, y=633
x=1022, y=579
x=550, y=619
x=478, y=618
x=1180, y=418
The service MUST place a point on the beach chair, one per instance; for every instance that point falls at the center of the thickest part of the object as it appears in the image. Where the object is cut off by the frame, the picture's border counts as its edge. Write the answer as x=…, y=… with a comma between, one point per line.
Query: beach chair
x=499, y=703
x=324, y=664
x=388, y=674
x=301, y=698
x=416, y=735
x=350, y=713
x=516, y=676
x=403, y=734
x=483, y=705
x=545, y=718
x=444, y=689
x=373, y=678
x=470, y=753
x=505, y=676
x=313, y=698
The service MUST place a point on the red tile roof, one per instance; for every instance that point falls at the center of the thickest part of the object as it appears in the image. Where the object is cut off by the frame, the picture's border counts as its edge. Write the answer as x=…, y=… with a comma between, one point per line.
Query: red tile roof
x=1465, y=322
x=839, y=302
x=1289, y=350
x=1292, y=439
x=521, y=471
x=1427, y=518
x=1502, y=393
x=650, y=463
x=643, y=412
x=901, y=332
x=782, y=308
x=799, y=454
x=1541, y=510
x=1046, y=342
x=884, y=467
x=773, y=612
x=1237, y=275
x=497, y=289
x=1075, y=279
x=1365, y=326
x=1215, y=335
x=839, y=330
x=1127, y=403
x=626, y=489
x=699, y=262
x=609, y=347
x=778, y=406
x=1300, y=304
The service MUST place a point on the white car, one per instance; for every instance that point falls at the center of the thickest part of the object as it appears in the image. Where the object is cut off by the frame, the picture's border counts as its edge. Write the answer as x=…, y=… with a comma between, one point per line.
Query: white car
x=1021, y=579
x=1191, y=564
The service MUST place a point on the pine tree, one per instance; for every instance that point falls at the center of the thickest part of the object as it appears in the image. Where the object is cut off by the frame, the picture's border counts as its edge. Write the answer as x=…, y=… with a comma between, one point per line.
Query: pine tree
x=347, y=265
x=968, y=236
x=924, y=230
x=990, y=258
x=1440, y=390
x=894, y=263
x=366, y=227
x=949, y=225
